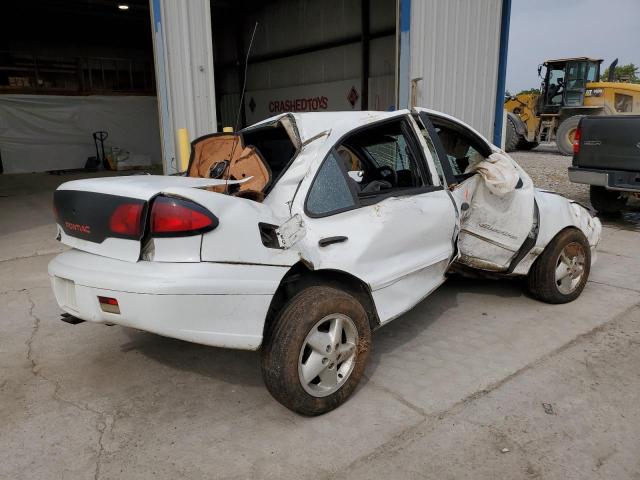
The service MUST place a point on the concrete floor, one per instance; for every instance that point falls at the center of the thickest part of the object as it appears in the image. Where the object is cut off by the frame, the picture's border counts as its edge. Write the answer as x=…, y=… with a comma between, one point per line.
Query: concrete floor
x=451, y=384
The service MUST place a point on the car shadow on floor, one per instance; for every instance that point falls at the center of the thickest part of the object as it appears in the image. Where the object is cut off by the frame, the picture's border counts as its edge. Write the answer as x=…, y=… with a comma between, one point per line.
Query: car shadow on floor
x=395, y=337
x=243, y=367
x=222, y=364
x=628, y=219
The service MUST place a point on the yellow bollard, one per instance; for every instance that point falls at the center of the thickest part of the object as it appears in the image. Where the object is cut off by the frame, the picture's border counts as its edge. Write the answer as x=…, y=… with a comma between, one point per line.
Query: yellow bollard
x=183, y=149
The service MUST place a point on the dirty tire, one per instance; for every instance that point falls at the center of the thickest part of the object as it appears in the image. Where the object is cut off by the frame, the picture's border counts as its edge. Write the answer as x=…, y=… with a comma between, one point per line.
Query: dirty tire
x=541, y=281
x=283, y=344
x=564, y=135
x=607, y=202
x=512, y=140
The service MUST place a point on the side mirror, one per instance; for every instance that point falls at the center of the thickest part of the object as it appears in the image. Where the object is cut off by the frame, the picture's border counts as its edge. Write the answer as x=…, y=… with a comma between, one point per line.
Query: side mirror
x=540, y=71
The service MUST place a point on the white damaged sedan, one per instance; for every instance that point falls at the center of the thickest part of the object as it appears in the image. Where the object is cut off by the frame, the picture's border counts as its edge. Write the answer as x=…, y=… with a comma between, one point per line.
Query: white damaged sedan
x=303, y=233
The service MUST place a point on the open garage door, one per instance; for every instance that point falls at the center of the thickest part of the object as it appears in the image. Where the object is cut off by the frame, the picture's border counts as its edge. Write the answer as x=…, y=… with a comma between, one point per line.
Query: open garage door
x=305, y=56
x=69, y=68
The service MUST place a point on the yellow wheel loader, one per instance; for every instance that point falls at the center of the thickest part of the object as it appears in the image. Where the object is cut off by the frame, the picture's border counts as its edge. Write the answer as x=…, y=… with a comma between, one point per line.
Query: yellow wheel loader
x=571, y=88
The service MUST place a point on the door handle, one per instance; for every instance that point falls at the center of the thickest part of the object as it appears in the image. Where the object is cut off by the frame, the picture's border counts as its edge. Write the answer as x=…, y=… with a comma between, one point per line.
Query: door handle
x=323, y=242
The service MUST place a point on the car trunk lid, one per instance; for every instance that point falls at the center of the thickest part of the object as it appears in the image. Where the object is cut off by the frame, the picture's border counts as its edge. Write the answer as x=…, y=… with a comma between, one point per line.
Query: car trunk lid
x=109, y=216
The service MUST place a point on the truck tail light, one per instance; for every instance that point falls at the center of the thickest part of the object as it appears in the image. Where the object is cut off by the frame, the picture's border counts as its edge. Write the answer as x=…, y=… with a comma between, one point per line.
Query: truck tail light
x=126, y=219
x=175, y=217
x=576, y=141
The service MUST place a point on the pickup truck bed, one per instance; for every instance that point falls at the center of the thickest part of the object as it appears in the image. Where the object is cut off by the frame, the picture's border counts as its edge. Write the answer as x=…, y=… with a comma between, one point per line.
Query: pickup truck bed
x=607, y=157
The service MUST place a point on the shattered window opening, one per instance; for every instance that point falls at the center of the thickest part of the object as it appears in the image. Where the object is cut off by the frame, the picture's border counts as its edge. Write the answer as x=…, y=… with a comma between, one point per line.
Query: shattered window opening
x=330, y=192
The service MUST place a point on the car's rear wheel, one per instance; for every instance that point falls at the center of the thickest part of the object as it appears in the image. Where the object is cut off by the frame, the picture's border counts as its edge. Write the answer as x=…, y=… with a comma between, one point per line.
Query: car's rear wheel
x=561, y=271
x=315, y=354
x=605, y=201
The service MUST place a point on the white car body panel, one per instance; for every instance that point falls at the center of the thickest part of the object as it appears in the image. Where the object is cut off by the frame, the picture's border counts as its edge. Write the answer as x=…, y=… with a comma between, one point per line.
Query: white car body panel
x=141, y=187
x=120, y=248
x=210, y=303
x=216, y=288
x=404, y=266
x=184, y=249
x=401, y=296
x=557, y=213
x=237, y=238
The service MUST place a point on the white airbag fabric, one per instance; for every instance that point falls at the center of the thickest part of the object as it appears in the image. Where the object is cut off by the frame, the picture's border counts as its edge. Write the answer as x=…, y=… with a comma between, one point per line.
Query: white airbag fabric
x=499, y=217
x=499, y=172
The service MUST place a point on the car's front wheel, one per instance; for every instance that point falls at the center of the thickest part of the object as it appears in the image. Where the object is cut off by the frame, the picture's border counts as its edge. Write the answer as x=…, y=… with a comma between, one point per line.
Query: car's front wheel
x=561, y=271
x=315, y=354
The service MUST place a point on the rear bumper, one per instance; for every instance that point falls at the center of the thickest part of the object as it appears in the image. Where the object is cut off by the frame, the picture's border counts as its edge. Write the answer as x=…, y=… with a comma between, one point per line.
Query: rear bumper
x=215, y=304
x=609, y=179
x=590, y=177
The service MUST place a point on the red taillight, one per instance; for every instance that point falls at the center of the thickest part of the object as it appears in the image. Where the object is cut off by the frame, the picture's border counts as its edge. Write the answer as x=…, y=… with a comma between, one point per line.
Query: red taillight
x=126, y=219
x=176, y=217
x=576, y=141
x=109, y=305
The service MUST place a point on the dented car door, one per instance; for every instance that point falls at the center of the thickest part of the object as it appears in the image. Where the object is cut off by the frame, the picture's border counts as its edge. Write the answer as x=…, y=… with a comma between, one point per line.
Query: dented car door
x=494, y=194
x=395, y=234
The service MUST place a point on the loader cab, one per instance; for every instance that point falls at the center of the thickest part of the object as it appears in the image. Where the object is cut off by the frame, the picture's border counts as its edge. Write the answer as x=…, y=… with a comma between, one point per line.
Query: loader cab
x=565, y=81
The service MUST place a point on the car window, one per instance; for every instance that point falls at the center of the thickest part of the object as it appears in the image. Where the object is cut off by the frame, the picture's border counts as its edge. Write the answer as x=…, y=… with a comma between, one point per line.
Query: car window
x=382, y=159
x=454, y=146
x=392, y=152
x=457, y=147
x=368, y=165
x=330, y=192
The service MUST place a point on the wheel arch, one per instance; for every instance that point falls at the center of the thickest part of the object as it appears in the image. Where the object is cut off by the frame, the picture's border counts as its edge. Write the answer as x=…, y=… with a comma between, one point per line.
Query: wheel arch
x=556, y=214
x=524, y=266
x=542, y=280
x=300, y=276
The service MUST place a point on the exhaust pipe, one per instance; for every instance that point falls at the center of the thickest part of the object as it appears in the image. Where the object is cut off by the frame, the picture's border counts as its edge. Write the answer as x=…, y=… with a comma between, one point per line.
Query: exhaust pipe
x=612, y=71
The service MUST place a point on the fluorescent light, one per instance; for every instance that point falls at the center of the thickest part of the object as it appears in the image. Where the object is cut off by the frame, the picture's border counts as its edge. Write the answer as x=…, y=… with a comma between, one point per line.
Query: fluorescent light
x=123, y=6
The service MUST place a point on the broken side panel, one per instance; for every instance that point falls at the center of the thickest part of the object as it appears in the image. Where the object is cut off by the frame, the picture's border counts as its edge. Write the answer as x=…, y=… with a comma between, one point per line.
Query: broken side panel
x=497, y=207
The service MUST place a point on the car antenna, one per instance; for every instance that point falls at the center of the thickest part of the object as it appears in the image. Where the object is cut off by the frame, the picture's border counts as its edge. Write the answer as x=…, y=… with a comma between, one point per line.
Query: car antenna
x=244, y=82
x=237, y=125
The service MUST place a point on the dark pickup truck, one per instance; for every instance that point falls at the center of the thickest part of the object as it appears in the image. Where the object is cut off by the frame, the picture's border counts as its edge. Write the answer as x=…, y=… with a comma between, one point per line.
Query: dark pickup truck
x=606, y=155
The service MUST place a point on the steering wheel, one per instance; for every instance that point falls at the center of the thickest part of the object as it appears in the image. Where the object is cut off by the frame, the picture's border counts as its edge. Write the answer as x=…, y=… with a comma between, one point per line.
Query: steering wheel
x=388, y=174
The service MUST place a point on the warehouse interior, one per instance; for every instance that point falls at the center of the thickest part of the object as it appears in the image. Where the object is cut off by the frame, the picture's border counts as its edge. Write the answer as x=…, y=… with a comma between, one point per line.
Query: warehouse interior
x=69, y=68
x=76, y=46
x=72, y=68
x=305, y=55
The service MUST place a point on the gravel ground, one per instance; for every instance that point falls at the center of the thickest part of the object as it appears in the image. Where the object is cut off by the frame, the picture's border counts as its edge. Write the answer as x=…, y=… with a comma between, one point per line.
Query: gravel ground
x=548, y=169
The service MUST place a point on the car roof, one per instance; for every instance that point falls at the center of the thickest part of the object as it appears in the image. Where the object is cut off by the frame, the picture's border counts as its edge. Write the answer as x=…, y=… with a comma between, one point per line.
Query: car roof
x=311, y=124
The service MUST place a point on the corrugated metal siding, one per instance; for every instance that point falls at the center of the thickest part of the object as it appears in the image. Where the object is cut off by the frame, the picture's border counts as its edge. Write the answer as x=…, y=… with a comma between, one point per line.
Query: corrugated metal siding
x=184, y=31
x=454, y=48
